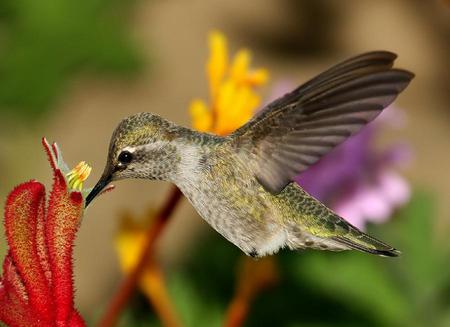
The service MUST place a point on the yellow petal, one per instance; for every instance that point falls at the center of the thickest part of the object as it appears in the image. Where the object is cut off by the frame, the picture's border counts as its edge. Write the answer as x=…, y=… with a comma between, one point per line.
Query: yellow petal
x=240, y=65
x=253, y=103
x=239, y=104
x=236, y=106
x=201, y=115
x=218, y=61
x=225, y=101
x=225, y=98
x=257, y=77
x=233, y=99
x=246, y=105
x=129, y=244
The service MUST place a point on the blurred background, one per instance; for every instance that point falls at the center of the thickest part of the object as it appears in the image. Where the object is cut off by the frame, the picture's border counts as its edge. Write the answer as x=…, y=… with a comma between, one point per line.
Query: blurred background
x=71, y=70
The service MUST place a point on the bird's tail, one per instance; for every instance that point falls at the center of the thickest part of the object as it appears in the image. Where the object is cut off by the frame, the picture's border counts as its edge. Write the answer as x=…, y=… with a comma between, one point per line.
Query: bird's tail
x=325, y=229
x=360, y=241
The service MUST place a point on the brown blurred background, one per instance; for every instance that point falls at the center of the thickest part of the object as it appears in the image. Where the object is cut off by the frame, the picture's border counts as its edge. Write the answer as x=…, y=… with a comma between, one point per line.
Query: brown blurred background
x=293, y=39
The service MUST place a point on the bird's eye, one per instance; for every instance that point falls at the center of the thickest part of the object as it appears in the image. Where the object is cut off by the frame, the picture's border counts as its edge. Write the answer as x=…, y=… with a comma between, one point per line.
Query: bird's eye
x=125, y=157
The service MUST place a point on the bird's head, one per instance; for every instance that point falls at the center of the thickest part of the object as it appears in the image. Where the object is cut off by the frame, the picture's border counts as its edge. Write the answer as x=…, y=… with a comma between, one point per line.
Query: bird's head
x=141, y=147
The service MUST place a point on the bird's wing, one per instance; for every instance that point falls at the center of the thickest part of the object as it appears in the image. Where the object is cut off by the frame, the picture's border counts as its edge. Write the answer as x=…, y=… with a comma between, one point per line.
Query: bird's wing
x=296, y=130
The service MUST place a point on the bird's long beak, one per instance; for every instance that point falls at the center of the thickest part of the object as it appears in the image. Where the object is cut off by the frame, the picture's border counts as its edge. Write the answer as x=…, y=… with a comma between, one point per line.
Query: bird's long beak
x=101, y=184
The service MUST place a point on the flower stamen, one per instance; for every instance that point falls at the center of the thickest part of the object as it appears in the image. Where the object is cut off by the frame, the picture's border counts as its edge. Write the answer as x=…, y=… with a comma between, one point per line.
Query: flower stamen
x=78, y=175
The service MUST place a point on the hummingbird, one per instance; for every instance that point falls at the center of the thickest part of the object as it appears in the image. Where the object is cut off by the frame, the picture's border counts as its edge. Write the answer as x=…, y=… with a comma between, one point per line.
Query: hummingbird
x=242, y=184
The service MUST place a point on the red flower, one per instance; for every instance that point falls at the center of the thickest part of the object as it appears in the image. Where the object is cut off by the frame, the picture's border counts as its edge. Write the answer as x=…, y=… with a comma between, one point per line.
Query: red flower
x=36, y=288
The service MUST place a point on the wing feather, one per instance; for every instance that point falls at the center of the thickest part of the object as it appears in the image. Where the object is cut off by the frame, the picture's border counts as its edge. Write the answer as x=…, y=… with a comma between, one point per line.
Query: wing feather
x=293, y=132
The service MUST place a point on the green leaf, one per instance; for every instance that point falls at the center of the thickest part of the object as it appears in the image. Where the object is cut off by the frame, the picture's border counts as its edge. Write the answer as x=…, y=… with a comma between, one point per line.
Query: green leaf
x=194, y=309
x=358, y=280
x=422, y=256
x=424, y=266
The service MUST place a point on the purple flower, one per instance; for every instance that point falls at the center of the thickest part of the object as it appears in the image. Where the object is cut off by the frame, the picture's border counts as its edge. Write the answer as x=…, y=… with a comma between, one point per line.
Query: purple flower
x=374, y=202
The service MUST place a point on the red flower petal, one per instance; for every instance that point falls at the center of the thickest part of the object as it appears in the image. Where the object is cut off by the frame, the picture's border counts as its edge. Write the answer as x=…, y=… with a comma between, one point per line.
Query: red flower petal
x=12, y=282
x=51, y=152
x=13, y=314
x=14, y=307
x=76, y=320
x=36, y=288
x=63, y=218
x=41, y=242
x=21, y=216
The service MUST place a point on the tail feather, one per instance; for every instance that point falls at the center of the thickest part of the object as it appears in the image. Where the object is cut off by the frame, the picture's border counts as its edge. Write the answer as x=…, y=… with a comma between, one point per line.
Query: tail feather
x=365, y=243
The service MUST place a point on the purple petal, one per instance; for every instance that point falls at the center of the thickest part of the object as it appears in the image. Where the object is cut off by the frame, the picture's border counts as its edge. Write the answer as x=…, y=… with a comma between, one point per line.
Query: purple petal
x=394, y=188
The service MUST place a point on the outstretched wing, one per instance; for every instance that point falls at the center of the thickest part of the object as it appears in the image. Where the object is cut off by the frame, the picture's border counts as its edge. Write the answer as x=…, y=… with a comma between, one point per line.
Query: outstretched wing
x=296, y=130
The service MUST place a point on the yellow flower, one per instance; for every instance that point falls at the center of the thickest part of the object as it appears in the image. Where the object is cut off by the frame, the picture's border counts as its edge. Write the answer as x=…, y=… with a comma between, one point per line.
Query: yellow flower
x=233, y=100
x=129, y=243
